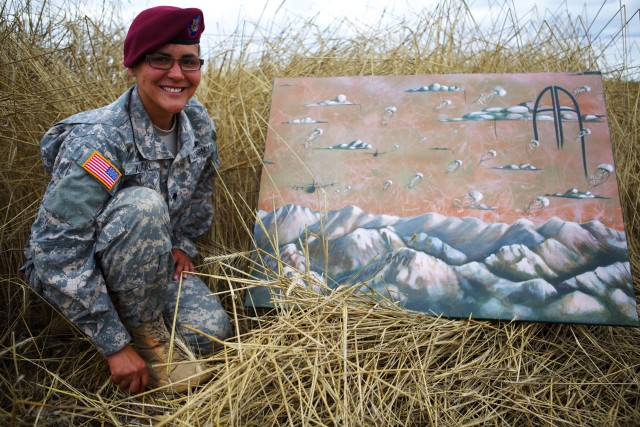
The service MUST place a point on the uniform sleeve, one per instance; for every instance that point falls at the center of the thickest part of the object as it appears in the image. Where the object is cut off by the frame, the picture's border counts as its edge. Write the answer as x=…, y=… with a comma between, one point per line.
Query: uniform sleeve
x=63, y=238
x=199, y=215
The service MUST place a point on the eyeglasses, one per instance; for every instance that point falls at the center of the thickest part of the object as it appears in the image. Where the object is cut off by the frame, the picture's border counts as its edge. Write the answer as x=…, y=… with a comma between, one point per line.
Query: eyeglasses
x=164, y=62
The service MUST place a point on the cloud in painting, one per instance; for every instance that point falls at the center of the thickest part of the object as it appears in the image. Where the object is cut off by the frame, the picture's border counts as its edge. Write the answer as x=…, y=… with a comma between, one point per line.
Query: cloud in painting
x=520, y=167
x=574, y=193
x=353, y=145
x=338, y=100
x=436, y=87
x=522, y=111
x=304, y=121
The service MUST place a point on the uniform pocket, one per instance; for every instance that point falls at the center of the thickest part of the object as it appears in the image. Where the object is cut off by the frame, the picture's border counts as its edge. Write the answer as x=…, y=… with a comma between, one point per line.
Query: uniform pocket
x=29, y=271
x=109, y=232
x=56, y=263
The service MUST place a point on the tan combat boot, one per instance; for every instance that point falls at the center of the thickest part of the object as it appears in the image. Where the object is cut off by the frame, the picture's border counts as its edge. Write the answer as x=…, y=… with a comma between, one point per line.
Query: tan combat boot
x=181, y=373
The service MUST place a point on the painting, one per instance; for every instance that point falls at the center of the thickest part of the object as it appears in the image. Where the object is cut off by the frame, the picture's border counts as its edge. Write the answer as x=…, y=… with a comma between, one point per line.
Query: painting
x=486, y=196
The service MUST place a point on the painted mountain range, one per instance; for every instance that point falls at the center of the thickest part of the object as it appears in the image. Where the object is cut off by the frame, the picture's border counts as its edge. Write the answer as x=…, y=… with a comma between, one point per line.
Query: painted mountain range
x=558, y=271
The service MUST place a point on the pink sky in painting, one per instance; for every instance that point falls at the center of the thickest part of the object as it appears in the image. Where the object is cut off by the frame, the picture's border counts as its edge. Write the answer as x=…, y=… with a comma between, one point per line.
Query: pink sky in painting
x=427, y=146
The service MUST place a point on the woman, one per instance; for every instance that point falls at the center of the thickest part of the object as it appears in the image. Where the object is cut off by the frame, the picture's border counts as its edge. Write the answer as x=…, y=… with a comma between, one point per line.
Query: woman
x=130, y=191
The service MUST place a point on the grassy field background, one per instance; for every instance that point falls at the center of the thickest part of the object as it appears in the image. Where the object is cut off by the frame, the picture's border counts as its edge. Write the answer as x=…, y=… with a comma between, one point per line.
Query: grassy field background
x=340, y=359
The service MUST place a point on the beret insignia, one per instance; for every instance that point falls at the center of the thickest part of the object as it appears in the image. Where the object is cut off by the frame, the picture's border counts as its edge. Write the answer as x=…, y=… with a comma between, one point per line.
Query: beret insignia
x=195, y=26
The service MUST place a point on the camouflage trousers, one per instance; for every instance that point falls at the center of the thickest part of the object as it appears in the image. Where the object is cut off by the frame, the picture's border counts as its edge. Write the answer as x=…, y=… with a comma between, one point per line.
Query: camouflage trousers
x=134, y=252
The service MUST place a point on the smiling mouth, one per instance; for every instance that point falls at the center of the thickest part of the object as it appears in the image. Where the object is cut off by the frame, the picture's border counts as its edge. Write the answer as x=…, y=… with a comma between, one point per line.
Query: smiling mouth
x=172, y=89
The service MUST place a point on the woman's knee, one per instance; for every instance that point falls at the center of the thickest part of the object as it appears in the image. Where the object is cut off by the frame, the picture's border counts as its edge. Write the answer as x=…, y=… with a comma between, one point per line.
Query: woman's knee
x=137, y=205
x=208, y=334
x=200, y=310
x=134, y=224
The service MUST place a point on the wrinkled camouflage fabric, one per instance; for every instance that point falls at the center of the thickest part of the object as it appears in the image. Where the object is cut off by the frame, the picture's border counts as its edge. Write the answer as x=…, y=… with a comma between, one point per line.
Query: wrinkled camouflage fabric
x=99, y=250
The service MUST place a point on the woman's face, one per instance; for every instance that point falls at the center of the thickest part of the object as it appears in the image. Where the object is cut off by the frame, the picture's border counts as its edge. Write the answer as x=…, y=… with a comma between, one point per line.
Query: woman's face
x=166, y=92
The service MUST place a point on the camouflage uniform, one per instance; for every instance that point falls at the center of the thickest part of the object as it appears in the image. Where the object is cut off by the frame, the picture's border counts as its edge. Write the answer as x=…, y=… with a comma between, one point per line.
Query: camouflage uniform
x=100, y=248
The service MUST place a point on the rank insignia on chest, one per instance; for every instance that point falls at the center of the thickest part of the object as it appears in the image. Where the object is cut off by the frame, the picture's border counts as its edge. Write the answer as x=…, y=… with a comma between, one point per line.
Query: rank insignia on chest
x=102, y=169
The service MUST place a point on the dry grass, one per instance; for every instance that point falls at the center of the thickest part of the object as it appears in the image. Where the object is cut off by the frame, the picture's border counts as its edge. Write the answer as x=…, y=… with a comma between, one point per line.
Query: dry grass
x=336, y=359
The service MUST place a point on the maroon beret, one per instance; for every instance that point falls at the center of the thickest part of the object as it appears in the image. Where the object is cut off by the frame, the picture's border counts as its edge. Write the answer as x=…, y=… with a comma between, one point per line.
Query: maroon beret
x=158, y=26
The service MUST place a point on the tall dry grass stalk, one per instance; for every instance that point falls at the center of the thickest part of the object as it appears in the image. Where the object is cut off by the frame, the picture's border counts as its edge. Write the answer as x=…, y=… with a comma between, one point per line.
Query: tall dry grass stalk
x=329, y=358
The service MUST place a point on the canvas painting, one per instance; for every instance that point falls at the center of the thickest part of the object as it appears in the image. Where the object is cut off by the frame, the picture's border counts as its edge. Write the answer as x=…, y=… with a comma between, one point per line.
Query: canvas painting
x=486, y=196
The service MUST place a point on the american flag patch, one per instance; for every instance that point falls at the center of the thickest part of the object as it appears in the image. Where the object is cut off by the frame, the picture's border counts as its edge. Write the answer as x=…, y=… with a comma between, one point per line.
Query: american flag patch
x=102, y=169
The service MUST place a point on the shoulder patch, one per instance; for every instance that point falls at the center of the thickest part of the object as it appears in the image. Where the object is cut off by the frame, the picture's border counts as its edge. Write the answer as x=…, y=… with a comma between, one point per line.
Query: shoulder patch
x=102, y=169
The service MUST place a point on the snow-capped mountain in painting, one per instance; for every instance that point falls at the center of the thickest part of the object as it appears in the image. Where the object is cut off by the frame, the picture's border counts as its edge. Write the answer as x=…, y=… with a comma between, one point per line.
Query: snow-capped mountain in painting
x=558, y=271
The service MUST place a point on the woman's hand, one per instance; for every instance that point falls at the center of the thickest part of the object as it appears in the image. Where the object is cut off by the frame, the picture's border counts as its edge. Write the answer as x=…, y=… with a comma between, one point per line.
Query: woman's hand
x=128, y=370
x=182, y=263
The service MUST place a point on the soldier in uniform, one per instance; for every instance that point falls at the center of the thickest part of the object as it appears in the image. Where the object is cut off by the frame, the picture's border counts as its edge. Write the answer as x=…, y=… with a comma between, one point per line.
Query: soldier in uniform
x=130, y=192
